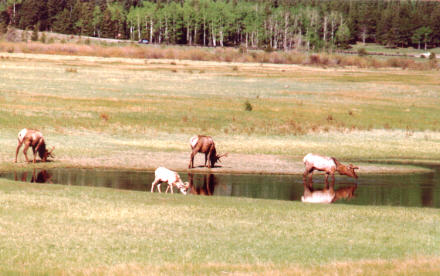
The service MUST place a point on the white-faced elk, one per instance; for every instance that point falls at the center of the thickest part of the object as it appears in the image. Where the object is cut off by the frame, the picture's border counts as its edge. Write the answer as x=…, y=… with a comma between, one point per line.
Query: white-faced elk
x=329, y=165
x=204, y=144
x=33, y=138
x=171, y=178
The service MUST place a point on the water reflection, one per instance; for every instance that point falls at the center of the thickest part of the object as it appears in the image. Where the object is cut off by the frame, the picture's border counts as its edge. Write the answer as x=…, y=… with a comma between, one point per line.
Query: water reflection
x=42, y=176
x=328, y=194
x=397, y=190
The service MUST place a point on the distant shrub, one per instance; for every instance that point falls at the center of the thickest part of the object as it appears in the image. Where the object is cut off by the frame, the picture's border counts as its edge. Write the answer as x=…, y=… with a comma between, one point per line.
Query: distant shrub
x=43, y=38
x=34, y=36
x=248, y=106
x=71, y=70
x=362, y=52
x=104, y=116
x=3, y=27
x=269, y=49
x=314, y=59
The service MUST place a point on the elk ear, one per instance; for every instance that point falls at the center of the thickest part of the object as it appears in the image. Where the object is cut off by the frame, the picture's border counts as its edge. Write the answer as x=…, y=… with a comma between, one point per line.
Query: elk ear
x=354, y=167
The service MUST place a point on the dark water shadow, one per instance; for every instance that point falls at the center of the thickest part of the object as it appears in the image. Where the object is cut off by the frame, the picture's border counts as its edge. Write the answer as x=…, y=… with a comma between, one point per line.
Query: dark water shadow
x=422, y=190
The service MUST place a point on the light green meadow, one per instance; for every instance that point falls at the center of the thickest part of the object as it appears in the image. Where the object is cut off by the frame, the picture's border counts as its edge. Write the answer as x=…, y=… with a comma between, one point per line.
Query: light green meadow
x=140, y=114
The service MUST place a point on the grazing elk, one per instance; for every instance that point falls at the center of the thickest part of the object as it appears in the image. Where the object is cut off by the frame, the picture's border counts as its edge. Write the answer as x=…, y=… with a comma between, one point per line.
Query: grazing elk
x=172, y=178
x=327, y=195
x=327, y=164
x=204, y=144
x=33, y=138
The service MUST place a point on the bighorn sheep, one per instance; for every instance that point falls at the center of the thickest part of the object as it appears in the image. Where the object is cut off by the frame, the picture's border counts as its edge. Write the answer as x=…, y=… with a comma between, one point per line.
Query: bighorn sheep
x=327, y=164
x=35, y=139
x=172, y=178
x=204, y=144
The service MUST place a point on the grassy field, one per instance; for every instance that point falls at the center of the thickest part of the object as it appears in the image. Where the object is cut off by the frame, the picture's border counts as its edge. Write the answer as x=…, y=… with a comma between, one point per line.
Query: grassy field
x=51, y=229
x=139, y=114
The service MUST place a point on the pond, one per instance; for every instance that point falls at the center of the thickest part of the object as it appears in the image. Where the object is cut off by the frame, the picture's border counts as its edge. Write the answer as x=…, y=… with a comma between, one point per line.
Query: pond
x=420, y=189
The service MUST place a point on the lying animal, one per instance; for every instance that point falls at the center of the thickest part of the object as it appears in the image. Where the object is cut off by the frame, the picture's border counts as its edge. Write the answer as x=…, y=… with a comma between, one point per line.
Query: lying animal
x=33, y=138
x=204, y=144
x=172, y=178
x=327, y=164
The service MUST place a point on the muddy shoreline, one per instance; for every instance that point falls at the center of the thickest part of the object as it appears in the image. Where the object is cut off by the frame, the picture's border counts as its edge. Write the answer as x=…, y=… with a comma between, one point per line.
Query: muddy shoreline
x=233, y=164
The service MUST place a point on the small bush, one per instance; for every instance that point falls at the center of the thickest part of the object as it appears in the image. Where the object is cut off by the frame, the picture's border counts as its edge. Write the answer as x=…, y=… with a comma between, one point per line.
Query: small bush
x=269, y=49
x=43, y=38
x=104, y=116
x=362, y=52
x=248, y=106
x=71, y=70
x=34, y=36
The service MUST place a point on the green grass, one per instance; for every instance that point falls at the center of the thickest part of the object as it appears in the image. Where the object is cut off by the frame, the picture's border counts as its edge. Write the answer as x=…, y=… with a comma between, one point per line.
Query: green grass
x=54, y=229
x=137, y=114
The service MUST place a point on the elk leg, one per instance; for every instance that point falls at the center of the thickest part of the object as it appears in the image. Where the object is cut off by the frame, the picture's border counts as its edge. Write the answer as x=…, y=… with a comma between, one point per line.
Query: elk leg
x=18, y=148
x=191, y=160
x=35, y=156
x=206, y=158
x=154, y=184
x=26, y=146
x=170, y=186
x=210, y=165
x=36, y=148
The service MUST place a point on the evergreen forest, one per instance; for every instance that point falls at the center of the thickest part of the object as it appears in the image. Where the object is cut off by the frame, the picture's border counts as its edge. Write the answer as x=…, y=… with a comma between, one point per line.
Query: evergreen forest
x=282, y=24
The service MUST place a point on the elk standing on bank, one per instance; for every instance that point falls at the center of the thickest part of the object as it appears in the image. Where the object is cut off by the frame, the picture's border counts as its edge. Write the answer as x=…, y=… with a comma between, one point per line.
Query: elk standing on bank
x=33, y=138
x=206, y=145
x=168, y=176
x=329, y=165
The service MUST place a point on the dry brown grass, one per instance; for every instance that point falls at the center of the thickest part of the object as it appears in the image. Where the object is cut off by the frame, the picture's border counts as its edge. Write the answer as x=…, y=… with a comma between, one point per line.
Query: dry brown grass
x=416, y=266
x=130, y=50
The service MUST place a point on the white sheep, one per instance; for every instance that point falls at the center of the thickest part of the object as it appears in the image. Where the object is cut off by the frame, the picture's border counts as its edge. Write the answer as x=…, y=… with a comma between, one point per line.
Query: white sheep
x=172, y=178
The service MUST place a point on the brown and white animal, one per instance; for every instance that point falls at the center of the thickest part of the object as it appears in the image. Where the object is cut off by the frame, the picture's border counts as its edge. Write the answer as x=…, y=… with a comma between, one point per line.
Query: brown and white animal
x=168, y=176
x=204, y=144
x=329, y=165
x=33, y=138
x=328, y=194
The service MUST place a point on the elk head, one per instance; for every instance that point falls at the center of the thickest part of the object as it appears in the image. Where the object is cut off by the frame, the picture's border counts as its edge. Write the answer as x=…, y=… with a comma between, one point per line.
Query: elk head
x=183, y=187
x=348, y=170
x=216, y=158
x=46, y=154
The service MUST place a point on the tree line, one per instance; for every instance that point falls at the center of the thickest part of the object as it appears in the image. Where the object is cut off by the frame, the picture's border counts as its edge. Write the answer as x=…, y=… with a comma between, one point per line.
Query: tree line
x=279, y=24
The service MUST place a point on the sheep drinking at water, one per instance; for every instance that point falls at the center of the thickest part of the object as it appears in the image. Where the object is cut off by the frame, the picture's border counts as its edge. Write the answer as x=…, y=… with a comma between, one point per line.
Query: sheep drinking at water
x=172, y=178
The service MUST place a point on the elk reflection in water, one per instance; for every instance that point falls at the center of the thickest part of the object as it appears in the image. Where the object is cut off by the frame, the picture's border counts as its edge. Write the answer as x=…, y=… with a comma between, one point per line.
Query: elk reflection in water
x=206, y=186
x=42, y=176
x=328, y=194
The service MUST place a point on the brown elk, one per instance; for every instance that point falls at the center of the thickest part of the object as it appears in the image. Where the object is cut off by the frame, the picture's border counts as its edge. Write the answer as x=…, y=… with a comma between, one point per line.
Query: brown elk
x=33, y=138
x=327, y=164
x=204, y=144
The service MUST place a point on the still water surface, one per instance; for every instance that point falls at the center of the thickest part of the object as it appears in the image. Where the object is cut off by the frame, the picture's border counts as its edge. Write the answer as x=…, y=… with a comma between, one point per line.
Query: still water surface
x=421, y=190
